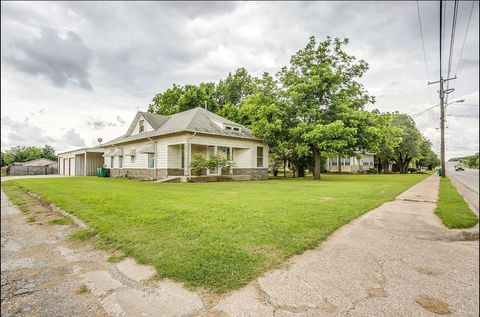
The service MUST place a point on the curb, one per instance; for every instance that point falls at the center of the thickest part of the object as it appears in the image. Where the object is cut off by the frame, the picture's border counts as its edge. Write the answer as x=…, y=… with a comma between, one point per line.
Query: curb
x=59, y=210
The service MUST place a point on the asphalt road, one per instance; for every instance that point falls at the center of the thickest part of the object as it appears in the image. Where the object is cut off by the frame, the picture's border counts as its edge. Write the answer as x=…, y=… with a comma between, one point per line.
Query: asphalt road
x=467, y=182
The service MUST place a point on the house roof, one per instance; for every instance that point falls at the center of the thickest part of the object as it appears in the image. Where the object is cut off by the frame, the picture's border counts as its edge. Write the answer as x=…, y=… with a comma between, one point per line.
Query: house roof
x=36, y=162
x=194, y=120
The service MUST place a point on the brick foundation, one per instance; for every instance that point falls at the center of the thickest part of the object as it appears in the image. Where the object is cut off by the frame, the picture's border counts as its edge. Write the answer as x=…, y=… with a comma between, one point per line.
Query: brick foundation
x=254, y=173
x=139, y=173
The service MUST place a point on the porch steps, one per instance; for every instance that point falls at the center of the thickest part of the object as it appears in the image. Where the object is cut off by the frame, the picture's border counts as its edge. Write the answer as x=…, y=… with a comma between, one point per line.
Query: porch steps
x=169, y=179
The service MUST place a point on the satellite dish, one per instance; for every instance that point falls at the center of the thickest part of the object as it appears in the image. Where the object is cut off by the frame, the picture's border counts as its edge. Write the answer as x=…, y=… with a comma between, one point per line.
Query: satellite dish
x=99, y=140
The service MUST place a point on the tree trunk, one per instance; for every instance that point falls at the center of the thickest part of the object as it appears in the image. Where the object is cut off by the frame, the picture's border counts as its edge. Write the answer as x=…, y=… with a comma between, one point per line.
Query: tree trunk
x=284, y=167
x=301, y=171
x=379, y=167
x=339, y=162
x=387, y=167
x=316, y=168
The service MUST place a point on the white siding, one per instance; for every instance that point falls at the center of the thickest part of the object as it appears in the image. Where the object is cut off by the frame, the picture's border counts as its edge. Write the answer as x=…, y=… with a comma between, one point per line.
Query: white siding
x=247, y=159
x=163, y=149
x=242, y=158
x=174, y=156
x=169, y=156
x=65, y=161
x=136, y=130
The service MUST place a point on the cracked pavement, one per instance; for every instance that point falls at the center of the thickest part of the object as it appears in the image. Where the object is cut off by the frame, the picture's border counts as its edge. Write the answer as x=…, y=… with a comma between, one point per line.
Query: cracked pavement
x=398, y=259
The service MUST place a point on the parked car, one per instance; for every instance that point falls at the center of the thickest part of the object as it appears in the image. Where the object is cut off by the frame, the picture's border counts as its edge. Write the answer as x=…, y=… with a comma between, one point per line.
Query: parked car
x=459, y=168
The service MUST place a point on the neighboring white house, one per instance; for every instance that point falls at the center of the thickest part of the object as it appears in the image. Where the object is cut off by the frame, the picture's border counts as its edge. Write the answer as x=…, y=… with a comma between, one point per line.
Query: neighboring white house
x=351, y=164
x=157, y=146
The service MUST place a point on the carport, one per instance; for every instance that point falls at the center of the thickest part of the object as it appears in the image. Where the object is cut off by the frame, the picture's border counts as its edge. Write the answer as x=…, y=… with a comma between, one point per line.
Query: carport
x=82, y=162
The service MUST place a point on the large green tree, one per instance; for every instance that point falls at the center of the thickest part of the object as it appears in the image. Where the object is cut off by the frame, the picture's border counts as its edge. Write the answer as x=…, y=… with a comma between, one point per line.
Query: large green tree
x=321, y=82
x=410, y=146
x=224, y=98
x=27, y=153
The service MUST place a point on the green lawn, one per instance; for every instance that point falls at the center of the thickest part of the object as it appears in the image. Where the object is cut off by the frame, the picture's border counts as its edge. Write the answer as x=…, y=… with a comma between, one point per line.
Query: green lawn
x=218, y=236
x=452, y=208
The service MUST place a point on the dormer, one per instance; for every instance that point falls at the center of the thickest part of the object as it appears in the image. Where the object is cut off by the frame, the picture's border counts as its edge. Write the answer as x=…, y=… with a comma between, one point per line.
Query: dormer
x=232, y=128
x=139, y=125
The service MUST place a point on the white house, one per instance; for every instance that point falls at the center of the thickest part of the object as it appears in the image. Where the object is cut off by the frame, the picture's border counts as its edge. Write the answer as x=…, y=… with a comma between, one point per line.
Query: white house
x=157, y=146
x=364, y=162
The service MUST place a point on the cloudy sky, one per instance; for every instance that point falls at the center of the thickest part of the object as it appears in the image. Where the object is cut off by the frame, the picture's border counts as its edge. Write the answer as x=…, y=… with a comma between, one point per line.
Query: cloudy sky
x=74, y=72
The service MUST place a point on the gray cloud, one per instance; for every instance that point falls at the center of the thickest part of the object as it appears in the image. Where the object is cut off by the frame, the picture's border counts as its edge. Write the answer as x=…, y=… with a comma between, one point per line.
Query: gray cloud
x=142, y=48
x=120, y=120
x=101, y=124
x=26, y=133
x=466, y=63
x=72, y=138
x=61, y=60
x=98, y=125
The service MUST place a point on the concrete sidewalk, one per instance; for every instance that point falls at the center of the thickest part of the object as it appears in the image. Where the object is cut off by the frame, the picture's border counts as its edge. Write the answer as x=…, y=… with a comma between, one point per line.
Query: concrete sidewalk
x=394, y=261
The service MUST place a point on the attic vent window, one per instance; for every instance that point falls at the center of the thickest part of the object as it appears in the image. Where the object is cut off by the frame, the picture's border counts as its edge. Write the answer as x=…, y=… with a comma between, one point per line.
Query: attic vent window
x=230, y=128
x=141, y=126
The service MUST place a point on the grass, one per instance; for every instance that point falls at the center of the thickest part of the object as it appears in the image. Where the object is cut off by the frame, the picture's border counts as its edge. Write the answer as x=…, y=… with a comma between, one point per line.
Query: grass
x=31, y=219
x=452, y=208
x=83, y=289
x=217, y=236
x=61, y=221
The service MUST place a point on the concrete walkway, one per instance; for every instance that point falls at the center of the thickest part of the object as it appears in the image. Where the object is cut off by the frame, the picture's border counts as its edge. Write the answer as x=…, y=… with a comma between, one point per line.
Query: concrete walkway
x=397, y=260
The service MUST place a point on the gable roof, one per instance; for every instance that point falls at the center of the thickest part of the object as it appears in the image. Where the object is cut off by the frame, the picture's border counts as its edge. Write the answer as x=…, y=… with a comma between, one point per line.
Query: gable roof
x=36, y=162
x=194, y=120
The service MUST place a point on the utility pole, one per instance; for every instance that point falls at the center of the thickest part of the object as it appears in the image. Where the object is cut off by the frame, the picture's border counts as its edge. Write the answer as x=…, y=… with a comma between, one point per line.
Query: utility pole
x=442, y=128
x=442, y=94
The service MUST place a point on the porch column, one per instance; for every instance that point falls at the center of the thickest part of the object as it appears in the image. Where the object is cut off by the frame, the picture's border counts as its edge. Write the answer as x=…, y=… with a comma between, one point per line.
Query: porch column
x=187, y=156
x=85, y=165
x=231, y=158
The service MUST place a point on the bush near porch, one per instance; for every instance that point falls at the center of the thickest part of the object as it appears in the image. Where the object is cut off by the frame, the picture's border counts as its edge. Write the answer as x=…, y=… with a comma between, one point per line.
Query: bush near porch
x=218, y=236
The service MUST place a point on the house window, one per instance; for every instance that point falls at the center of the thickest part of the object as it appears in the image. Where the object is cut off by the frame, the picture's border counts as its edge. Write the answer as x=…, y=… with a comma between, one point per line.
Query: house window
x=259, y=156
x=346, y=161
x=141, y=126
x=151, y=160
x=333, y=161
x=132, y=159
x=236, y=129
x=228, y=128
x=120, y=161
x=111, y=162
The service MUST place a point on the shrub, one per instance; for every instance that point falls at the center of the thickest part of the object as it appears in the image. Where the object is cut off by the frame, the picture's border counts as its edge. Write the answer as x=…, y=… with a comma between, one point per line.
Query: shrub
x=198, y=164
x=412, y=170
x=372, y=170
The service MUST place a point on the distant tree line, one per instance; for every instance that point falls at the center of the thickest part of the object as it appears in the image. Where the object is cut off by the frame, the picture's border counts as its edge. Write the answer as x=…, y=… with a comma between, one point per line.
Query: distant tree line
x=312, y=109
x=27, y=153
x=471, y=161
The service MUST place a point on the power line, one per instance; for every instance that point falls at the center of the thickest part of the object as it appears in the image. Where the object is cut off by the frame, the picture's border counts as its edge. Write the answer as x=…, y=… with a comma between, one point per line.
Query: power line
x=423, y=111
x=424, y=53
x=465, y=37
x=440, y=42
x=452, y=45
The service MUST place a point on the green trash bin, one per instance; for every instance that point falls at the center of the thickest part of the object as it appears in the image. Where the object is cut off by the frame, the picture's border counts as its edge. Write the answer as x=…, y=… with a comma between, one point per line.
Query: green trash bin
x=440, y=171
x=103, y=172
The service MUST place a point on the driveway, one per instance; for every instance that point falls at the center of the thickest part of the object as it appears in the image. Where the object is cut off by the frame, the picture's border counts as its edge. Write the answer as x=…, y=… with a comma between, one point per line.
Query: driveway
x=397, y=260
x=6, y=178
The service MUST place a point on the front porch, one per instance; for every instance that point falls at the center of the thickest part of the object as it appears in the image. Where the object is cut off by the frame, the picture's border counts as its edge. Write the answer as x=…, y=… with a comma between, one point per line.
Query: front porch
x=181, y=155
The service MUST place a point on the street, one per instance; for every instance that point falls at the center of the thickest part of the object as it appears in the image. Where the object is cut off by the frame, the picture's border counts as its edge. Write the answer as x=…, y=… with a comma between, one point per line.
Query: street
x=466, y=182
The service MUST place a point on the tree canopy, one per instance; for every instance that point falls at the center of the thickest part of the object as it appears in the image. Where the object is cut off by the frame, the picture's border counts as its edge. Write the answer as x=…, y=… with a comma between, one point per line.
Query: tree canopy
x=27, y=153
x=312, y=109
